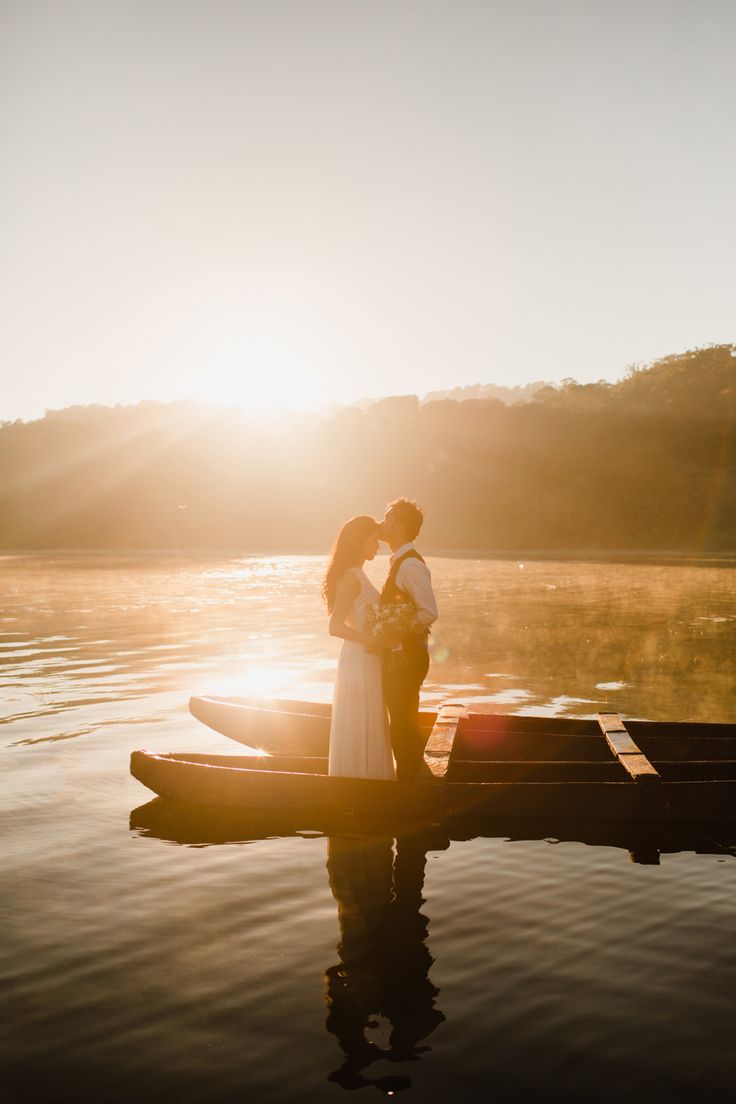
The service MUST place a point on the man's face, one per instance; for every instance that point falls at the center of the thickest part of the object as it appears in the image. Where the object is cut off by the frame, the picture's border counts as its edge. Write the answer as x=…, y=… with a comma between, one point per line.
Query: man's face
x=389, y=526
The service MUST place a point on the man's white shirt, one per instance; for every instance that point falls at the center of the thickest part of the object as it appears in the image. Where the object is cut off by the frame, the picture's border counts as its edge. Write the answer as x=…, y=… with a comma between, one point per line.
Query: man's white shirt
x=415, y=579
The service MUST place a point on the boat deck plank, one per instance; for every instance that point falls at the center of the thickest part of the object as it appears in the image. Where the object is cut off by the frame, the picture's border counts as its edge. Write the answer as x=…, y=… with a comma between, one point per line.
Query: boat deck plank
x=438, y=750
x=626, y=751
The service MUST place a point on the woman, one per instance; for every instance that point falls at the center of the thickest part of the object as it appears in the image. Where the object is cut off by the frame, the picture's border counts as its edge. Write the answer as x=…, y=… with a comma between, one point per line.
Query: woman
x=360, y=745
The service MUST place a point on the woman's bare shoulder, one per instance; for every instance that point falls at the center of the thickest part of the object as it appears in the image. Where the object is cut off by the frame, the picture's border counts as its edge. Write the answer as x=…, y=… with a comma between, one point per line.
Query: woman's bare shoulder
x=349, y=581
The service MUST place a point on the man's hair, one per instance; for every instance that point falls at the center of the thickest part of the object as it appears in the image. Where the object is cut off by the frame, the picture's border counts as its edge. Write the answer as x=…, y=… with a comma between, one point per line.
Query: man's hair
x=409, y=514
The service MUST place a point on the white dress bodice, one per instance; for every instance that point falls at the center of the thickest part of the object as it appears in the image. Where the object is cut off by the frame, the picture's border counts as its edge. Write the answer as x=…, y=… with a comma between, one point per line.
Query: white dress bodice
x=367, y=597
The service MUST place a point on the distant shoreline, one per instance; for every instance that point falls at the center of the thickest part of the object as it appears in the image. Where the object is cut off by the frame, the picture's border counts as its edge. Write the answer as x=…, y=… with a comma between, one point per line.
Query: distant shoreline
x=513, y=555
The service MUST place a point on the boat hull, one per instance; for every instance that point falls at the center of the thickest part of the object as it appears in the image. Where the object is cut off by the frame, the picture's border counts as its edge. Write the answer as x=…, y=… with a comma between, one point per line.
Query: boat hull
x=475, y=764
x=290, y=728
x=211, y=781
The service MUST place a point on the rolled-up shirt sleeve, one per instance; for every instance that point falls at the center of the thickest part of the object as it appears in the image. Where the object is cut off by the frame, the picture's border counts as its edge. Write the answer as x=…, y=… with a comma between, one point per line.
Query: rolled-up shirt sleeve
x=414, y=577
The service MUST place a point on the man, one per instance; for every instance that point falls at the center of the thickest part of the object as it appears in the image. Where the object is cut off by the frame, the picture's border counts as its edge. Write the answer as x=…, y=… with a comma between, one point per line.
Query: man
x=405, y=665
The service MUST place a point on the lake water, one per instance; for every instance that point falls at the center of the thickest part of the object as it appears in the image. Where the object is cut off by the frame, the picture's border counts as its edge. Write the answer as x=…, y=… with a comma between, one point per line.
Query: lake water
x=146, y=952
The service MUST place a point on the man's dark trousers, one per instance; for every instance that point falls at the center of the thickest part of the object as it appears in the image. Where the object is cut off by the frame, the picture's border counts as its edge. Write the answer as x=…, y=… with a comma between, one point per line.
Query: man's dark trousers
x=401, y=687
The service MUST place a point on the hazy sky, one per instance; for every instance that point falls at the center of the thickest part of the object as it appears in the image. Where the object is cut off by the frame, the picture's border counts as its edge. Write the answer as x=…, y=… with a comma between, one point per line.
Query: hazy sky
x=318, y=200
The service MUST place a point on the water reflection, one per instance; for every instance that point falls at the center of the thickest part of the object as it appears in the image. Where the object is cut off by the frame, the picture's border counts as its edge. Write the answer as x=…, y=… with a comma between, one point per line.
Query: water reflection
x=643, y=841
x=382, y=1004
x=380, y=1000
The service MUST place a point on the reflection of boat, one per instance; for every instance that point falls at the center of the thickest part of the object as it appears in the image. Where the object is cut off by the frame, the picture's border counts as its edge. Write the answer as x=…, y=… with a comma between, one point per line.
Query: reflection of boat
x=197, y=825
x=182, y=822
x=476, y=763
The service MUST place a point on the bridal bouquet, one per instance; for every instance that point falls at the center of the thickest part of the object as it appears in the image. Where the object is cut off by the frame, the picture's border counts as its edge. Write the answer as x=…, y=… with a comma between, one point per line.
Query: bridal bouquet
x=389, y=624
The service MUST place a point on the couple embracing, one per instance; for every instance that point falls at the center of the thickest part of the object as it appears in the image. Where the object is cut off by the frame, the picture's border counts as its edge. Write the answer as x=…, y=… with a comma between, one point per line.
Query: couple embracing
x=384, y=658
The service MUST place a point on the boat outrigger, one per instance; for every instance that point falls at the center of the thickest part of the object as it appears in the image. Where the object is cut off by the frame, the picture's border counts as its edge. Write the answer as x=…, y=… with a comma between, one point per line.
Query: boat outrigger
x=475, y=764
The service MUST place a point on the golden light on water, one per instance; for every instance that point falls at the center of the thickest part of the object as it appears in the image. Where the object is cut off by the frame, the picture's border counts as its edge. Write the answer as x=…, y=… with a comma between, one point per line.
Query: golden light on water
x=261, y=680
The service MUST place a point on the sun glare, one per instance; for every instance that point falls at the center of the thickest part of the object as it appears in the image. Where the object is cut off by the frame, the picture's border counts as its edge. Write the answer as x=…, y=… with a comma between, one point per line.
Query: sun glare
x=271, y=390
x=271, y=365
x=262, y=681
x=267, y=389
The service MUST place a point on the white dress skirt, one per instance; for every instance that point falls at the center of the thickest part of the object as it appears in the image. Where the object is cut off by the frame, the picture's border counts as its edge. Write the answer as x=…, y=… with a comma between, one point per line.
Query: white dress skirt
x=360, y=745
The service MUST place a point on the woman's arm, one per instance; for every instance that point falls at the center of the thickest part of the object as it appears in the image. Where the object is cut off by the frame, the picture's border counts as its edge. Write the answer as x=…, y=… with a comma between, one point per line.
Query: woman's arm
x=347, y=592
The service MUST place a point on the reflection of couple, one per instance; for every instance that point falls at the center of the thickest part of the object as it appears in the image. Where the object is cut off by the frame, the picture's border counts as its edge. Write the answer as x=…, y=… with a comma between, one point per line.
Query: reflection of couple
x=384, y=657
x=383, y=972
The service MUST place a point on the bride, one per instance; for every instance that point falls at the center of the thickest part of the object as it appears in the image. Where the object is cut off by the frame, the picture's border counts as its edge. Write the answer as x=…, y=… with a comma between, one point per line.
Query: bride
x=360, y=746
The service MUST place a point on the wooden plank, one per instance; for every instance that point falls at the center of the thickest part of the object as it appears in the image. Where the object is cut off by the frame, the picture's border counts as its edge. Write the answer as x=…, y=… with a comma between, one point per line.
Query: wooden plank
x=640, y=769
x=611, y=722
x=622, y=744
x=683, y=749
x=626, y=751
x=518, y=773
x=691, y=730
x=510, y=722
x=442, y=737
x=526, y=746
x=549, y=746
x=708, y=770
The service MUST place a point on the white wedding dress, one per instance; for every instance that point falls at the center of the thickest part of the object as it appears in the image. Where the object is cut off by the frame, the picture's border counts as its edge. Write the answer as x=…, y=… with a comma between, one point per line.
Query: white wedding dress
x=360, y=745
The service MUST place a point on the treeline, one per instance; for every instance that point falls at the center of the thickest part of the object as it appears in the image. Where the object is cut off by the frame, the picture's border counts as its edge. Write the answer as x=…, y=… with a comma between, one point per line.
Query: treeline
x=646, y=464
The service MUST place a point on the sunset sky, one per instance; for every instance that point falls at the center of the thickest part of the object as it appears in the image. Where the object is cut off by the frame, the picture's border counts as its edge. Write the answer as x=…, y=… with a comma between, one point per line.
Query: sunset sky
x=311, y=201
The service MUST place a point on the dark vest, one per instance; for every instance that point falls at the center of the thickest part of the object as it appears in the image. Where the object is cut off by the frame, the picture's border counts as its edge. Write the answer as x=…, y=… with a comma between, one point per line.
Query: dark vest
x=391, y=592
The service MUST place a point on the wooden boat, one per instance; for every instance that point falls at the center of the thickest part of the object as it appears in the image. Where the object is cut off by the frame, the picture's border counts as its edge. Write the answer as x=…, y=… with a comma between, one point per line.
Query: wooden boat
x=474, y=764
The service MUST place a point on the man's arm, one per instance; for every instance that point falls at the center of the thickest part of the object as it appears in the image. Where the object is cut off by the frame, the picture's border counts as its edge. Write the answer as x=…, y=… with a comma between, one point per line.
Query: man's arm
x=414, y=578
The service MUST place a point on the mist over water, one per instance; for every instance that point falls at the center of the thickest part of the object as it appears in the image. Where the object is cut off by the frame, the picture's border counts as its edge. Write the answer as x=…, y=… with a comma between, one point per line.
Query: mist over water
x=146, y=951
x=99, y=640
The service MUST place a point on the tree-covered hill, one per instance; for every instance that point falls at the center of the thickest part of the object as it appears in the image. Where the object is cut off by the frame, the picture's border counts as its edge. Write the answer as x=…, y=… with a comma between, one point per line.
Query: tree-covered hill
x=646, y=464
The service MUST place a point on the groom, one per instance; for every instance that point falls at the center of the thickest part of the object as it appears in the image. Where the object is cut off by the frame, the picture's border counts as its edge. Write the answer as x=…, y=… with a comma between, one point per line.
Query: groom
x=405, y=666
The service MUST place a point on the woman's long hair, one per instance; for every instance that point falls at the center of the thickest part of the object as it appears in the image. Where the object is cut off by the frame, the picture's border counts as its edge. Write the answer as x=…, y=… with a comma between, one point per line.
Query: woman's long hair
x=347, y=551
